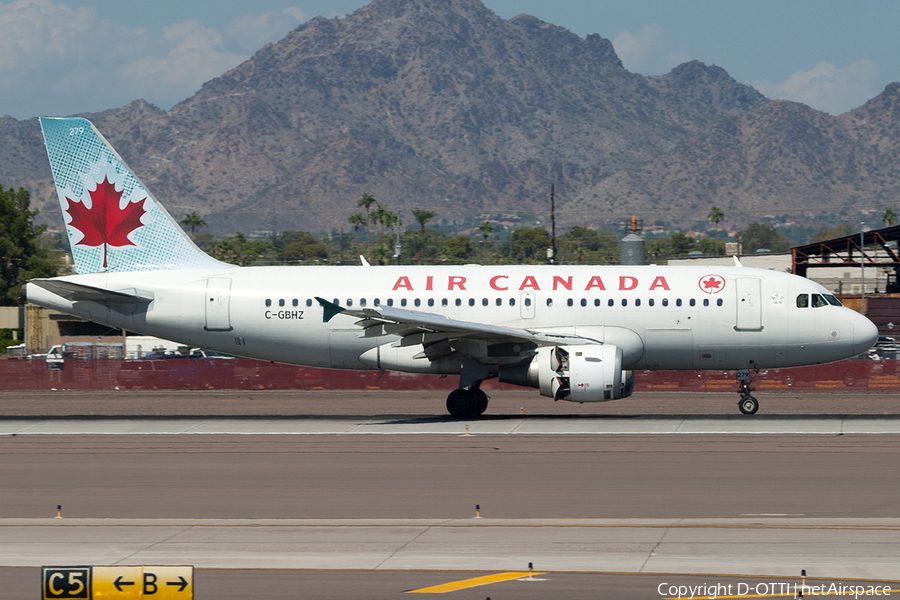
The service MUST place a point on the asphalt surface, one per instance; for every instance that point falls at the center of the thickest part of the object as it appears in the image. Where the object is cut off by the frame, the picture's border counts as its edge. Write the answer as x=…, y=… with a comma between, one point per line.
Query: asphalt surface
x=426, y=403
x=851, y=476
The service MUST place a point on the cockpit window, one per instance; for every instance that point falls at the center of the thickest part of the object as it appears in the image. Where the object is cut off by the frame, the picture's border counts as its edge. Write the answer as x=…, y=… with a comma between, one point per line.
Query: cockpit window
x=832, y=300
x=803, y=301
x=819, y=301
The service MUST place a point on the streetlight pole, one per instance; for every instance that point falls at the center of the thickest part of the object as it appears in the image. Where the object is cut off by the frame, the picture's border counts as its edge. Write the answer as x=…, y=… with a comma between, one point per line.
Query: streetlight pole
x=862, y=267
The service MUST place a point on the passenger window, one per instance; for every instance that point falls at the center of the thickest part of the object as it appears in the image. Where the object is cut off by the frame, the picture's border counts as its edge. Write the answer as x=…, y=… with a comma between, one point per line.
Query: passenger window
x=651, y=302
x=431, y=302
x=471, y=301
x=610, y=302
x=459, y=301
x=583, y=302
x=309, y=302
x=417, y=302
x=402, y=301
x=281, y=302
x=706, y=302
x=569, y=302
x=596, y=301
x=512, y=301
x=268, y=302
x=678, y=302
x=637, y=302
x=337, y=301
x=295, y=303
x=362, y=302
x=349, y=302
x=549, y=301
x=624, y=302
x=803, y=301
x=693, y=302
x=376, y=302
x=719, y=302
x=390, y=301
x=665, y=301
x=499, y=302
x=444, y=302
x=818, y=301
x=484, y=301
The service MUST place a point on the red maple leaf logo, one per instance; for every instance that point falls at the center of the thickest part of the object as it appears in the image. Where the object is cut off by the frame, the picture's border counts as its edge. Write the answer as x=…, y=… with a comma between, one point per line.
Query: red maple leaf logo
x=104, y=223
x=712, y=284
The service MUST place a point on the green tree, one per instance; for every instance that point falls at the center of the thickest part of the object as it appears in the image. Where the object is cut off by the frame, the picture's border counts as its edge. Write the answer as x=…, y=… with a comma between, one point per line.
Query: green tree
x=486, y=230
x=759, y=235
x=715, y=216
x=458, y=250
x=21, y=255
x=826, y=233
x=356, y=219
x=680, y=245
x=528, y=245
x=193, y=220
x=889, y=217
x=366, y=202
x=422, y=217
x=298, y=246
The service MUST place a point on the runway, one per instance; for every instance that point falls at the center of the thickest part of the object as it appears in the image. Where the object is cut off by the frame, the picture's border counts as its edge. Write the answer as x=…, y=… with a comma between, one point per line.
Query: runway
x=499, y=425
x=305, y=497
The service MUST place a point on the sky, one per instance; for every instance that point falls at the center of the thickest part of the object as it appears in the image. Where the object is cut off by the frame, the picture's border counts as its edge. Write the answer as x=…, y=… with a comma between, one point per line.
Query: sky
x=62, y=57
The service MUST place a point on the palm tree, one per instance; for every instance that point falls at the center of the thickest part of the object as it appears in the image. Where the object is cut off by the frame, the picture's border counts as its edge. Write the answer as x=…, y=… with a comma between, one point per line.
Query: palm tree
x=378, y=215
x=423, y=216
x=193, y=220
x=367, y=201
x=716, y=215
x=356, y=219
x=890, y=217
x=486, y=229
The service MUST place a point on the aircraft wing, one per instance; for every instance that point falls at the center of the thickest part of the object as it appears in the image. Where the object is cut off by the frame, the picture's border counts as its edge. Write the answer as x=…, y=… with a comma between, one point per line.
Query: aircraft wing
x=388, y=320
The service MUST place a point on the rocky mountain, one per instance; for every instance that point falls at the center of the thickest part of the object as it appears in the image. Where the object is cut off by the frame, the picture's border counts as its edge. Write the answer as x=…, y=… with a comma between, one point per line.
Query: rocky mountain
x=442, y=104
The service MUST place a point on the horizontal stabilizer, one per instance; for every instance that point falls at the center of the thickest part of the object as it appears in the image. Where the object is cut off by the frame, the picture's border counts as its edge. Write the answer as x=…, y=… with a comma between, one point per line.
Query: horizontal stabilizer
x=76, y=292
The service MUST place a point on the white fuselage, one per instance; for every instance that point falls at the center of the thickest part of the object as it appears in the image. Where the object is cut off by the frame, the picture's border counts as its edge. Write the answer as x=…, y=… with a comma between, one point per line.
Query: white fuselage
x=682, y=318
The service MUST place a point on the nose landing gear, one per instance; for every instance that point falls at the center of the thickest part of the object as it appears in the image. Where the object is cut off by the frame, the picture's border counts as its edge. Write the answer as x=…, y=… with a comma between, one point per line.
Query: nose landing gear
x=748, y=404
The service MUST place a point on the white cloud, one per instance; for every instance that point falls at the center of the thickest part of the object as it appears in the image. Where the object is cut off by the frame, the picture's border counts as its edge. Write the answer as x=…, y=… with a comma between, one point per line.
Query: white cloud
x=826, y=87
x=249, y=33
x=58, y=60
x=637, y=49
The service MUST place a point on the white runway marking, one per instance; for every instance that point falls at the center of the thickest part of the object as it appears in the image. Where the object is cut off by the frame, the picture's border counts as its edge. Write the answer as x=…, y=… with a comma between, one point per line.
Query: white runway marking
x=433, y=425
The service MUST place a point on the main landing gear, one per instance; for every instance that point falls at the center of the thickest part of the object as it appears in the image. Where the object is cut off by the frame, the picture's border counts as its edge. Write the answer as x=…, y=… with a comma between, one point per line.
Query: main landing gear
x=748, y=404
x=467, y=402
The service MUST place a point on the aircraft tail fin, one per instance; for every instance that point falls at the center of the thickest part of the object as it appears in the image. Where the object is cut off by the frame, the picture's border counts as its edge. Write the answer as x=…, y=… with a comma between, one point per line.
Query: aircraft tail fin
x=113, y=222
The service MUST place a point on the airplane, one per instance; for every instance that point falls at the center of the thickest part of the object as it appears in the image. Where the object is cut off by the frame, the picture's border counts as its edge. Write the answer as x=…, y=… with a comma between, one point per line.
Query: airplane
x=576, y=333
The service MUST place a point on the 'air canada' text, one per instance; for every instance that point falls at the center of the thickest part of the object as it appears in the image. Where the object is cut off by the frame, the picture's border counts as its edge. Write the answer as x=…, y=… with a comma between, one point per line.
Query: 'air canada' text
x=503, y=283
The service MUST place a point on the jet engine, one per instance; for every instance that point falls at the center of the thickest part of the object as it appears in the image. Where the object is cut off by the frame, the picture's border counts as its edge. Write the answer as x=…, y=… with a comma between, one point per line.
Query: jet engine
x=589, y=373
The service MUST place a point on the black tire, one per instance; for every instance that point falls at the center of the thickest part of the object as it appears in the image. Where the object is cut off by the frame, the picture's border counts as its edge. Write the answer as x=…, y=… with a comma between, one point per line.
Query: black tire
x=749, y=405
x=461, y=403
x=481, y=401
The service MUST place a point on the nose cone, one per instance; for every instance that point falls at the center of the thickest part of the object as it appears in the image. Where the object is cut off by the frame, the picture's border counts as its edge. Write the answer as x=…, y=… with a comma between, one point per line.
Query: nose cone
x=865, y=334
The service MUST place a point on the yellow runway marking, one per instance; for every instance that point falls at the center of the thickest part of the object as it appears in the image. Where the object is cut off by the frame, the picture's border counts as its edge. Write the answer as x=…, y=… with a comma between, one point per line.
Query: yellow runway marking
x=470, y=583
x=806, y=594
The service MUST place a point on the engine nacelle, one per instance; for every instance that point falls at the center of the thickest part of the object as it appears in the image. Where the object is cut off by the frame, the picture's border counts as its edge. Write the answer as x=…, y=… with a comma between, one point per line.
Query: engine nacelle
x=589, y=373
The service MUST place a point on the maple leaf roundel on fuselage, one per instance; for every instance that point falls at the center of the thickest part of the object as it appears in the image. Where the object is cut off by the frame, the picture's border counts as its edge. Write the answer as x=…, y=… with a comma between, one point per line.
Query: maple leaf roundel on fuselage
x=105, y=223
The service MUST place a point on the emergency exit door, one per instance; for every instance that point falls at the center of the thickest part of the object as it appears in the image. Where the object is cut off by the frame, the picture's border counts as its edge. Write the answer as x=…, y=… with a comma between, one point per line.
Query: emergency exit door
x=218, y=304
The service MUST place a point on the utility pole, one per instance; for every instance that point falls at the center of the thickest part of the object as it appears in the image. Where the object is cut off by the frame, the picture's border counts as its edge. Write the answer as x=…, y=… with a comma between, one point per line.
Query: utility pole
x=552, y=253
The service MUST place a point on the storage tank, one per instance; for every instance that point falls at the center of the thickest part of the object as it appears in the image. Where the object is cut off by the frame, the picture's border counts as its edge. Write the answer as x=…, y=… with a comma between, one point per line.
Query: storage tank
x=632, y=252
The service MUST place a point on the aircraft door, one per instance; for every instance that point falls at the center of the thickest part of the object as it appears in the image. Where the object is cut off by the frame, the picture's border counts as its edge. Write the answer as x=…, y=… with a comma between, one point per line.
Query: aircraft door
x=218, y=304
x=749, y=306
x=526, y=305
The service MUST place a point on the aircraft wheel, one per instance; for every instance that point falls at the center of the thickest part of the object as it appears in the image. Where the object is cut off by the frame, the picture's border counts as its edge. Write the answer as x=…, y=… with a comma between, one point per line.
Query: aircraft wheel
x=461, y=403
x=481, y=401
x=749, y=405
